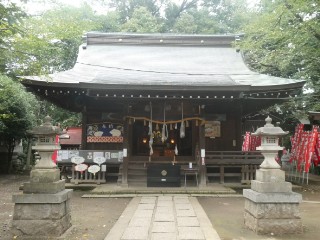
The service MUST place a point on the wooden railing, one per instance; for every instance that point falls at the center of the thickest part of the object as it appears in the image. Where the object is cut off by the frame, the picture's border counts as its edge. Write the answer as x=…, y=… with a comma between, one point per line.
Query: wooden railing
x=86, y=177
x=236, y=164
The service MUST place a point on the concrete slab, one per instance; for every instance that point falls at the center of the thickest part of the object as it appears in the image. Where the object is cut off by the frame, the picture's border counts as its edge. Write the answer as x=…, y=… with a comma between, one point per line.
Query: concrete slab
x=183, y=206
x=148, y=199
x=165, y=203
x=144, y=213
x=185, y=213
x=146, y=206
x=120, y=226
x=165, y=198
x=188, y=222
x=163, y=236
x=190, y=233
x=164, y=209
x=140, y=222
x=163, y=217
x=181, y=200
x=135, y=233
x=163, y=227
x=205, y=224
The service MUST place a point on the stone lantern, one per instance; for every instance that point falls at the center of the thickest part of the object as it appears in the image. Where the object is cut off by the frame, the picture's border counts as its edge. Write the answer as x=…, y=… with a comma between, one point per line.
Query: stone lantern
x=46, y=143
x=270, y=205
x=269, y=143
x=44, y=207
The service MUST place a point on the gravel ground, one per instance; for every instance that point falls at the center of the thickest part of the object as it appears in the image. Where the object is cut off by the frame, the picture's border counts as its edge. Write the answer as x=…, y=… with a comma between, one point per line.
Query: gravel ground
x=92, y=218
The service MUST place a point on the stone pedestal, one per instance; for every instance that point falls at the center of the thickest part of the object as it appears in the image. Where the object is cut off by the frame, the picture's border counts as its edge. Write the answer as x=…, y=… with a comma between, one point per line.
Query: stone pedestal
x=43, y=210
x=270, y=204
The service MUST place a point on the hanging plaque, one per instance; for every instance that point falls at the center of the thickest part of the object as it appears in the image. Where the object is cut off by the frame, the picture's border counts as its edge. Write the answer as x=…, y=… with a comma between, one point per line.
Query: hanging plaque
x=94, y=169
x=99, y=160
x=77, y=160
x=81, y=167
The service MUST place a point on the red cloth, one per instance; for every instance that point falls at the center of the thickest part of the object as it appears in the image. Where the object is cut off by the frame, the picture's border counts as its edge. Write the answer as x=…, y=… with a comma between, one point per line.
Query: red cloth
x=313, y=136
x=55, y=153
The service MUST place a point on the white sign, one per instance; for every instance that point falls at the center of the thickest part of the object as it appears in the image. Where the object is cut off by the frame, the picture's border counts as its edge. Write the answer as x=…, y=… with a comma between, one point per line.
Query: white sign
x=125, y=152
x=94, y=169
x=97, y=154
x=81, y=167
x=77, y=160
x=99, y=160
x=203, y=153
x=120, y=157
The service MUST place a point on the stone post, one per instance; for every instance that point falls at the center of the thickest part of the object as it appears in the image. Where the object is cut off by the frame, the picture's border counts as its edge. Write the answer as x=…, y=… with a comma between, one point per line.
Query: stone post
x=43, y=210
x=270, y=204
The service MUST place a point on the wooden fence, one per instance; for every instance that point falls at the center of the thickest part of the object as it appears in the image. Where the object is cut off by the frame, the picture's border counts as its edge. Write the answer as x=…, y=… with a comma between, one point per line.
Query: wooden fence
x=232, y=164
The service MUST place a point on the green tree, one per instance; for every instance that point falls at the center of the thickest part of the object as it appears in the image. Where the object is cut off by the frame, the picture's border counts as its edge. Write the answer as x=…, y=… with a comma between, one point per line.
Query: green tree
x=173, y=11
x=126, y=8
x=284, y=40
x=50, y=42
x=142, y=21
x=185, y=24
x=206, y=23
x=59, y=116
x=18, y=113
x=11, y=17
x=110, y=22
x=230, y=15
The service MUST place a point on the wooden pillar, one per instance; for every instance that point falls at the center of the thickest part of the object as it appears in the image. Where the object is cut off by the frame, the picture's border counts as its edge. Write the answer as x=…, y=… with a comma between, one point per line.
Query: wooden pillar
x=29, y=155
x=84, y=129
x=238, y=112
x=202, y=167
x=126, y=145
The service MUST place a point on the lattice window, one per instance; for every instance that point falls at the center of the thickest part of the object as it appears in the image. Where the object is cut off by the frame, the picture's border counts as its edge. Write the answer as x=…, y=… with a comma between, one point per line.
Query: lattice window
x=44, y=140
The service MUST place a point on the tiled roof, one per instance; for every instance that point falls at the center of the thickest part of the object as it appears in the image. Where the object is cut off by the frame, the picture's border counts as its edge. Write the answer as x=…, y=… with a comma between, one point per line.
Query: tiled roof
x=156, y=60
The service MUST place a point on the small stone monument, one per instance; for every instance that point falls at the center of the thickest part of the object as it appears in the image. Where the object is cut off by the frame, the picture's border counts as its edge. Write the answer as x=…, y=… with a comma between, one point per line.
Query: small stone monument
x=43, y=210
x=270, y=205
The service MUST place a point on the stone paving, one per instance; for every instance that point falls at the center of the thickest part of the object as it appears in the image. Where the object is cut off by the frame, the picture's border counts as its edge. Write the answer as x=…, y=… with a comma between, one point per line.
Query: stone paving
x=163, y=217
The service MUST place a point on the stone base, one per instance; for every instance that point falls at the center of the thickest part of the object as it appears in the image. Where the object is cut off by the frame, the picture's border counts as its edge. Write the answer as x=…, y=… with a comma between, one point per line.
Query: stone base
x=269, y=187
x=270, y=175
x=274, y=212
x=275, y=226
x=53, y=187
x=44, y=175
x=47, y=215
x=46, y=228
x=44, y=181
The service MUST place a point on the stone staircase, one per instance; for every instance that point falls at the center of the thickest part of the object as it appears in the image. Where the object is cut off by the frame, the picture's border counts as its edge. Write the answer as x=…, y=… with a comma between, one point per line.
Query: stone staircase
x=137, y=169
x=137, y=174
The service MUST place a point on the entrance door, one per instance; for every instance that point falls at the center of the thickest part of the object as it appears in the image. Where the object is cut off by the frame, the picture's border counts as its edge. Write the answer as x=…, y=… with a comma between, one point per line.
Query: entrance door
x=140, y=140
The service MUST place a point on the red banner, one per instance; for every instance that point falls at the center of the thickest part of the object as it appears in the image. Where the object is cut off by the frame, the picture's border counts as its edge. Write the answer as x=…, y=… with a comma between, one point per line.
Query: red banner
x=250, y=143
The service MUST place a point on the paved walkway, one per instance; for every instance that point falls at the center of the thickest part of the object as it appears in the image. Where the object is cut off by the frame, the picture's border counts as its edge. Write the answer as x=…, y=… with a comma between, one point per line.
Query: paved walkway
x=163, y=217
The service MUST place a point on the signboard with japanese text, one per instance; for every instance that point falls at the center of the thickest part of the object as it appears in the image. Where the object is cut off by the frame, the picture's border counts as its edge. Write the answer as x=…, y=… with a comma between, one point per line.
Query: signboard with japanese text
x=89, y=156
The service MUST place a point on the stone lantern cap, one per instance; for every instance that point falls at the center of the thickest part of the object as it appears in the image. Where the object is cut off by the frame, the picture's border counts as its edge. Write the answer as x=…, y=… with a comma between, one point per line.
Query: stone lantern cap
x=46, y=129
x=269, y=129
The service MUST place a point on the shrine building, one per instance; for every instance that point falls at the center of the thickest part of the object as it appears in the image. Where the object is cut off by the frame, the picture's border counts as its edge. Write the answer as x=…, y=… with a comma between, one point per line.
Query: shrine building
x=151, y=101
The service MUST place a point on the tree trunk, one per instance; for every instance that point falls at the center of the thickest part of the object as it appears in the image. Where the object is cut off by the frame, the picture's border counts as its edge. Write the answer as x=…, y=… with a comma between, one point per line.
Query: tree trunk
x=11, y=143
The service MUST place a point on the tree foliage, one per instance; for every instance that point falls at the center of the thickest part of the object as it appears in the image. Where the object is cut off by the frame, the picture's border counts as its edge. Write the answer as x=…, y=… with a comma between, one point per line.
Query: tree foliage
x=284, y=40
x=11, y=17
x=142, y=21
x=18, y=113
x=50, y=42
